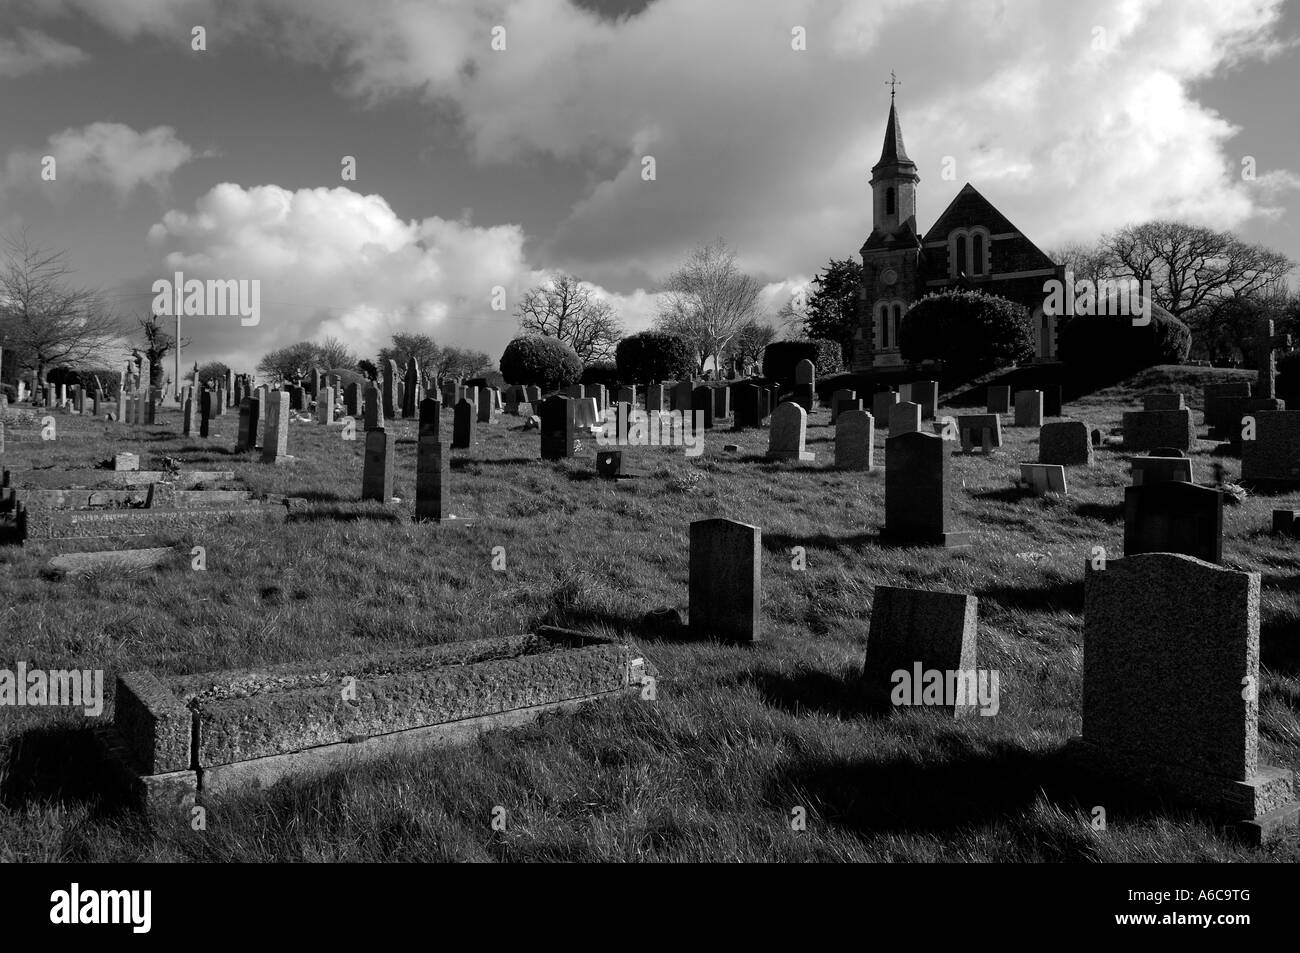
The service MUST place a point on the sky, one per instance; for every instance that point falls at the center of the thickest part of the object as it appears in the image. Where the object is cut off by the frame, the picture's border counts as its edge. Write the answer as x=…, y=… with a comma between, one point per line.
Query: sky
x=498, y=141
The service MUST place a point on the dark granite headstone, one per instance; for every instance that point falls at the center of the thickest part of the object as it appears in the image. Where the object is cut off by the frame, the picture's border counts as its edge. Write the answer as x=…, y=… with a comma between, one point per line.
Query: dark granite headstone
x=1174, y=517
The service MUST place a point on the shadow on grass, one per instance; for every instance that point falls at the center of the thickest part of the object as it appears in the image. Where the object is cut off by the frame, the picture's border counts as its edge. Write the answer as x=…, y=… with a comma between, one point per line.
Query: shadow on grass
x=346, y=511
x=1104, y=512
x=782, y=542
x=1279, y=645
x=460, y=463
x=1008, y=494
x=321, y=496
x=1055, y=596
x=58, y=764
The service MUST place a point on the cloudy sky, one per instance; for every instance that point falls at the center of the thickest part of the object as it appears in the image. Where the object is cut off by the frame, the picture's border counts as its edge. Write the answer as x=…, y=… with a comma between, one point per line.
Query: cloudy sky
x=480, y=167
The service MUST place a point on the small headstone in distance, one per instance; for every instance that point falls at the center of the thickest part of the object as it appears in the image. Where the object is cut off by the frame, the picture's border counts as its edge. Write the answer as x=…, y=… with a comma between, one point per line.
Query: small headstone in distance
x=664, y=622
x=1286, y=522
x=609, y=464
x=533, y=423
x=731, y=448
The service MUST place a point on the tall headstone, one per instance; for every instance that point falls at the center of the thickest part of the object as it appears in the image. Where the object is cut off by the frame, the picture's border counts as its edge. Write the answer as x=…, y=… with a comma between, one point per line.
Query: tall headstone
x=1029, y=408
x=926, y=393
x=882, y=402
x=1052, y=400
x=917, y=632
x=854, y=440
x=189, y=422
x=683, y=395
x=788, y=433
x=462, y=433
x=390, y=405
x=377, y=467
x=206, y=400
x=1174, y=517
x=247, y=434
x=430, y=418
x=432, y=477
x=1170, y=696
x=918, y=486
x=749, y=407
x=1266, y=344
x=726, y=581
x=485, y=406
x=373, y=408
x=654, y=398
x=352, y=399
x=275, y=435
x=721, y=401
x=411, y=392
x=559, y=428
x=702, y=405
x=842, y=395
x=261, y=394
x=805, y=384
x=325, y=405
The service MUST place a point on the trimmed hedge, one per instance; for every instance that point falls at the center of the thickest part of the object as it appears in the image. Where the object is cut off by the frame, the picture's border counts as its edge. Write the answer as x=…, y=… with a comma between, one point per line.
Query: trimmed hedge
x=1112, y=346
x=601, y=372
x=545, y=362
x=653, y=356
x=780, y=357
x=969, y=331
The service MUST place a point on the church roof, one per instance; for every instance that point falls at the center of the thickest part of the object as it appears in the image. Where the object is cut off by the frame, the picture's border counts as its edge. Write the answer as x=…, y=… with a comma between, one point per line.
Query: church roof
x=905, y=237
x=969, y=208
x=894, y=152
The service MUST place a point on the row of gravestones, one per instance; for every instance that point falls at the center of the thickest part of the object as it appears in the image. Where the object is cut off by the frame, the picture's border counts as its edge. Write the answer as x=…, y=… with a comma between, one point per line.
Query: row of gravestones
x=1170, y=667
x=432, y=461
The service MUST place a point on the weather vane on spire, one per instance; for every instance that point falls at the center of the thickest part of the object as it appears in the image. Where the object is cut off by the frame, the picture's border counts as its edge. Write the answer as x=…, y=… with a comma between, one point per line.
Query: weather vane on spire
x=893, y=82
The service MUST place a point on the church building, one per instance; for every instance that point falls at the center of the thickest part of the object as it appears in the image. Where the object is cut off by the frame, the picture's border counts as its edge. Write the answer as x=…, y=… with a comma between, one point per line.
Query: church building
x=971, y=247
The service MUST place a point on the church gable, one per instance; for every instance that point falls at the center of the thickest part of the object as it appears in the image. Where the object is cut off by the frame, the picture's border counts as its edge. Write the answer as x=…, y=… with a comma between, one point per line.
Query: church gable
x=1010, y=251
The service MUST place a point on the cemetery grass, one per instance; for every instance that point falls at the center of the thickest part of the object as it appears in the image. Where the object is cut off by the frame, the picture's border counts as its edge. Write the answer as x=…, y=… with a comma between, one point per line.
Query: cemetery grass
x=735, y=740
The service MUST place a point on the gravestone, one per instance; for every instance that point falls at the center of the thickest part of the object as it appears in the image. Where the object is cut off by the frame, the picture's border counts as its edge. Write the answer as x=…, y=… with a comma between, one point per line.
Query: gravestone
x=1162, y=402
x=1043, y=478
x=275, y=435
x=218, y=403
x=726, y=580
x=702, y=406
x=1065, y=442
x=655, y=398
x=625, y=395
x=1052, y=400
x=609, y=463
x=683, y=395
x=881, y=405
x=749, y=407
x=247, y=425
x=188, y=421
x=411, y=393
x=1145, y=429
x=914, y=632
x=389, y=390
x=352, y=399
x=1218, y=417
x=559, y=428
x=854, y=440
x=999, y=399
x=721, y=401
x=1286, y=522
x=430, y=418
x=926, y=393
x=979, y=430
x=597, y=393
x=1155, y=469
x=575, y=392
x=1029, y=408
x=586, y=415
x=432, y=472
x=325, y=406
x=377, y=467
x=206, y=400
x=1267, y=343
x=1170, y=703
x=918, y=509
x=373, y=408
x=1272, y=458
x=788, y=433
x=532, y=394
x=845, y=396
x=1174, y=517
x=904, y=418
x=485, y=406
x=462, y=432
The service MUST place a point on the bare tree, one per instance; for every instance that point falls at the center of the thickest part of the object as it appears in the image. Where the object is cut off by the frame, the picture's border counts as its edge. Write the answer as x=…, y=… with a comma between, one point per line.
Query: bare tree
x=158, y=343
x=1093, y=263
x=407, y=345
x=335, y=354
x=568, y=309
x=708, y=300
x=48, y=321
x=1197, y=274
x=750, y=341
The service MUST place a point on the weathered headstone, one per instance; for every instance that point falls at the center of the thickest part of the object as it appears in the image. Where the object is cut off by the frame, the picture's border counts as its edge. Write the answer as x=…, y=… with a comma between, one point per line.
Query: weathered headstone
x=1144, y=429
x=559, y=428
x=854, y=440
x=1065, y=442
x=918, y=507
x=1272, y=457
x=749, y=407
x=352, y=399
x=325, y=405
x=979, y=430
x=926, y=393
x=1043, y=478
x=373, y=408
x=1170, y=689
x=702, y=406
x=377, y=467
x=1029, y=408
x=1162, y=402
x=411, y=392
x=845, y=395
x=904, y=418
x=389, y=391
x=788, y=433
x=430, y=418
x=999, y=399
x=247, y=434
x=485, y=406
x=275, y=435
x=189, y=421
x=881, y=405
x=1155, y=469
x=462, y=432
x=918, y=636
x=655, y=398
x=1174, y=517
x=432, y=475
x=206, y=400
x=725, y=580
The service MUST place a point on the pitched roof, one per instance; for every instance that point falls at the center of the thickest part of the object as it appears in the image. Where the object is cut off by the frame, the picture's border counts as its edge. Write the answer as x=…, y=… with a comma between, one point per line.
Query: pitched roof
x=968, y=208
x=894, y=152
x=905, y=237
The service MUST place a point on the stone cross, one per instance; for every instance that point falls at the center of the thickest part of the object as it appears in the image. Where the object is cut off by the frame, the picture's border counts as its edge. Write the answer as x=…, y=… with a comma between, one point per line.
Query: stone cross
x=1267, y=344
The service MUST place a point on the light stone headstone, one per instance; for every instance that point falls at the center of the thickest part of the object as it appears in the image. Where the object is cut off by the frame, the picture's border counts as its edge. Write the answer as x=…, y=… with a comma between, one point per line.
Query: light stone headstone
x=854, y=440
x=1065, y=442
x=904, y=418
x=726, y=581
x=788, y=434
x=915, y=632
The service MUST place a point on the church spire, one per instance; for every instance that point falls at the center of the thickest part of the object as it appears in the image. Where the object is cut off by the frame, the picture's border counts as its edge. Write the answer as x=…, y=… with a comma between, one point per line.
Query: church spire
x=894, y=178
x=894, y=152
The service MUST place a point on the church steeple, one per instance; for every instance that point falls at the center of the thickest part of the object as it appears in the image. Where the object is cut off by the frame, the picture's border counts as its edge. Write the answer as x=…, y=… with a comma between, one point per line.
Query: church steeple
x=894, y=178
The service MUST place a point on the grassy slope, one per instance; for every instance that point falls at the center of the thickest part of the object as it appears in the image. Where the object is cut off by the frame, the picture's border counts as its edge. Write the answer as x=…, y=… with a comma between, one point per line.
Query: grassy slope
x=736, y=738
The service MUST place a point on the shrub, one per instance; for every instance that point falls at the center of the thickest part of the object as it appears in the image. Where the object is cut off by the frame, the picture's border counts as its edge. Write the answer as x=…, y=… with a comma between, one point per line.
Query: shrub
x=1112, y=345
x=348, y=376
x=545, y=362
x=970, y=332
x=601, y=372
x=780, y=357
x=653, y=356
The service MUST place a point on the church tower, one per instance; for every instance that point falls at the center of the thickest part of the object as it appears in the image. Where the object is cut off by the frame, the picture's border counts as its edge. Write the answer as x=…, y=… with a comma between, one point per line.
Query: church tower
x=891, y=253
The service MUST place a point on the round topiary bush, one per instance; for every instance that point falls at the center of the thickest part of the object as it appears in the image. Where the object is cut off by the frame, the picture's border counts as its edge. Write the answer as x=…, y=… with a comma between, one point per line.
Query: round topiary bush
x=970, y=332
x=545, y=362
x=653, y=356
x=780, y=358
x=1112, y=345
x=601, y=372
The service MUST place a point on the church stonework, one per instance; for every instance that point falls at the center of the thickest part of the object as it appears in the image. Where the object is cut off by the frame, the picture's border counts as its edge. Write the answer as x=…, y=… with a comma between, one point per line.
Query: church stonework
x=972, y=246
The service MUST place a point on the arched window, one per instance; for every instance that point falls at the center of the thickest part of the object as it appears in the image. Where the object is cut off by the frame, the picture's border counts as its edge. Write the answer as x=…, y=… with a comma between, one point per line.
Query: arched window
x=898, y=320
x=960, y=264
x=882, y=322
x=890, y=201
x=977, y=254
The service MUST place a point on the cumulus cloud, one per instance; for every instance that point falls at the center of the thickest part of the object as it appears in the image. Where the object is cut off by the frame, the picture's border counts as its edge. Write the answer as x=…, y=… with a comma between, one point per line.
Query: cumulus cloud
x=106, y=153
x=336, y=262
x=31, y=50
